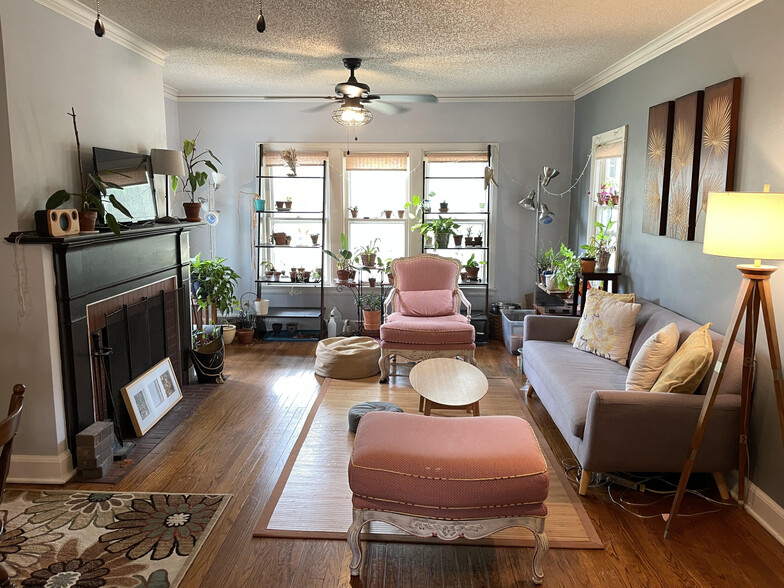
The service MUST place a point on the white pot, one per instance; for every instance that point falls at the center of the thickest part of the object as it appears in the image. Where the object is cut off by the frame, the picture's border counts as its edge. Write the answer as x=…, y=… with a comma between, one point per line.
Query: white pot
x=261, y=306
x=229, y=331
x=549, y=282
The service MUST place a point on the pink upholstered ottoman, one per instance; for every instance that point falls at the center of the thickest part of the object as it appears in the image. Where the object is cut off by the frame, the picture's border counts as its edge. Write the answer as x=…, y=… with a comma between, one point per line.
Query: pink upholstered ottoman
x=448, y=477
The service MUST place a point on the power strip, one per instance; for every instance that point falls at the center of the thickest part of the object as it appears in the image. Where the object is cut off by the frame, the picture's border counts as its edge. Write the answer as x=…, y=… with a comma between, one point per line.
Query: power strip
x=621, y=481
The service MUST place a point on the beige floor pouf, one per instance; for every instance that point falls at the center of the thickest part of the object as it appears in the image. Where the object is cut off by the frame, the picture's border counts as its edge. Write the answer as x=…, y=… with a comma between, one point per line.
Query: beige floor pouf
x=347, y=358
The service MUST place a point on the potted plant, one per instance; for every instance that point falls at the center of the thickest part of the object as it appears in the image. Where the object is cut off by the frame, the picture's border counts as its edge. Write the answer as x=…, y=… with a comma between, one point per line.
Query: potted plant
x=91, y=202
x=214, y=282
x=288, y=202
x=469, y=239
x=372, y=282
x=279, y=238
x=280, y=205
x=546, y=264
x=371, y=310
x=354, y=210
x=472, y=267
x=441, y=227
x=315, y=238
x=478, y=240
x=415, y=206
x=207, y=347
x=289, y=157
x=259, y=204
x=443, y=207
x=608, y=193
x=245, y=326
x=566, y=266
x=195, y=178
x=400, y=213
x=368, y=253
x=603, y=240
x=588, y=259
x=343, y=258
x=385, y=265
x=458, y=239
x=269, y=269
x=388, y=213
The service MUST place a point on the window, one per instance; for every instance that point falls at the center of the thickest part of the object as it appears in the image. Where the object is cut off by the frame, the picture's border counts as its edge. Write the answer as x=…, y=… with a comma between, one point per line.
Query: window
x=608, y=158
x=374, y=183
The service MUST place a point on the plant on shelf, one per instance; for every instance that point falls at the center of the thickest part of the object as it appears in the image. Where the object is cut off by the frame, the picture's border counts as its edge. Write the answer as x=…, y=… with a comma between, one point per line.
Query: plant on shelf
x=344, y=258
x=566, y=266
x=93, y=189
x=414, y=207
x=441, y=227
x=288, y=202
x=385, y=265
x=354, y=210
x=608, y=193
x=195, y=178
x=371, y=310
x=469, y=238
x=368, y=253
x=443, y=206
x=289, y=157
x=603, y=243
x=479, y=239
x=213, y=285
x=472, y=267
x=588, y=259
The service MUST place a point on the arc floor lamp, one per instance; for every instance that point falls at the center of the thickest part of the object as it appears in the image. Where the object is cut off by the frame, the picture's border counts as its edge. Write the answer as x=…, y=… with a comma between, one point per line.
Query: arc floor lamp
x=745, y=225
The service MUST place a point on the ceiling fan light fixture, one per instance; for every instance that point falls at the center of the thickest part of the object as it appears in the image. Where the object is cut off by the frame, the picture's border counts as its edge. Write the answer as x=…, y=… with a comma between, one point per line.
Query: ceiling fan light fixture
x=352, y=116
x=98, y=28
x=261, y=24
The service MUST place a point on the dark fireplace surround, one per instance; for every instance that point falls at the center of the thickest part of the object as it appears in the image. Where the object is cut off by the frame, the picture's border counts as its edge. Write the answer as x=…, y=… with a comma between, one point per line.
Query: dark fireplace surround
x=90, y=269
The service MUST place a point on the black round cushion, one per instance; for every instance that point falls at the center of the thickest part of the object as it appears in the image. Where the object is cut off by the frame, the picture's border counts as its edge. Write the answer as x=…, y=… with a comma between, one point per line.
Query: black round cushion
x=357, y=411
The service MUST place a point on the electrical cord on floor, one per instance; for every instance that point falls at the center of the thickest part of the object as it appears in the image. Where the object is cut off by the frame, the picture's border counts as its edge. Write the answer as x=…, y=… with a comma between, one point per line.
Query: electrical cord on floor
x=572, y=465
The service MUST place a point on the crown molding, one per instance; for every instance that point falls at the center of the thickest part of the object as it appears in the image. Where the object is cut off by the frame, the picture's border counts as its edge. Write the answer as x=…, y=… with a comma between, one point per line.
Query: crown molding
x=81, y=14
x=174, y=95
x=699, y=23
x=170, y=93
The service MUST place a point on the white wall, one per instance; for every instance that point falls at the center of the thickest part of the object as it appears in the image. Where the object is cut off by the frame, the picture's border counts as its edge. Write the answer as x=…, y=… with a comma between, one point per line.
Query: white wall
x=51, y=64
x=529, y=134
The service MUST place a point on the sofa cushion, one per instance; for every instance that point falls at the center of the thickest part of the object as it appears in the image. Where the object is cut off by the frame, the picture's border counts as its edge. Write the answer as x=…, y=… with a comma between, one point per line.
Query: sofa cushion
x=684, y=372
x=654, y=355
x=607, y=327
x=434, y=331
x=595, y=292
x=426, y=302
x=568, y=378
x=458, y=318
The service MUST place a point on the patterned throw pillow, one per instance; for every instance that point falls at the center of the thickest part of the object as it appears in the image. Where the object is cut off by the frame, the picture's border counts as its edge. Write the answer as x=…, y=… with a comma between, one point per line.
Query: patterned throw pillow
x=595, y=292
x=652, y=358
x=684, y=372
x=606, y=327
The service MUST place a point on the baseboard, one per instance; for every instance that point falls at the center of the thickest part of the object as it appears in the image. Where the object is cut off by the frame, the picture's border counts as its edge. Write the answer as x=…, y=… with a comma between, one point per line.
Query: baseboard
x=41, y=469
x=763, y=509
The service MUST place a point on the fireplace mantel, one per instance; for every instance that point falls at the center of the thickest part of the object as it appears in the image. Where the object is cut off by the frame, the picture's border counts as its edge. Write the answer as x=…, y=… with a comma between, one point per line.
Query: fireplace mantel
x=95, y=267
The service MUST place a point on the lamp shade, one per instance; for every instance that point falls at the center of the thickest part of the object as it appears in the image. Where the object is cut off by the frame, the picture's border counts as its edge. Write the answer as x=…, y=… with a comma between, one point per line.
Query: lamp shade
x=744, y=224
x=167, y=162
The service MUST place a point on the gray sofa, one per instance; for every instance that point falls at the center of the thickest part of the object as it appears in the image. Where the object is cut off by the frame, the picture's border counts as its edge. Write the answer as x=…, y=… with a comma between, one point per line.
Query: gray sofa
x=611, y=430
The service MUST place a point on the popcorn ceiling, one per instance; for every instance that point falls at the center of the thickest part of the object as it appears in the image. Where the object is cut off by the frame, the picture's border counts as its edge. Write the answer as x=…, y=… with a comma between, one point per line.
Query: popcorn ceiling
x=444, y=47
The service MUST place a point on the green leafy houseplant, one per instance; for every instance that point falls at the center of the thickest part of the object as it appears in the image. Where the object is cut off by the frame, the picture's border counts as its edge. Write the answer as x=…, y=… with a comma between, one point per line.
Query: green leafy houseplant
x=92, y=190
x=472, y=267
x=566, y=266
x=371, y=302
x=214, y=284
x=195, y=178
x=441, y=227
x=344, y=256
x=368, y=253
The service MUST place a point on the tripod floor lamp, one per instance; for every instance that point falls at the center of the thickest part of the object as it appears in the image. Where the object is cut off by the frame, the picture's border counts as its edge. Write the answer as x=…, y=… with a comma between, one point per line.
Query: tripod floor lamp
x=534, y=202
x=168, y=162
x=745, y=225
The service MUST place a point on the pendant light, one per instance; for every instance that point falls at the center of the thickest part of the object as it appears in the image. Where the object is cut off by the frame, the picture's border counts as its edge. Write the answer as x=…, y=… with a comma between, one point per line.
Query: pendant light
x=98, y=28
x=261, y=24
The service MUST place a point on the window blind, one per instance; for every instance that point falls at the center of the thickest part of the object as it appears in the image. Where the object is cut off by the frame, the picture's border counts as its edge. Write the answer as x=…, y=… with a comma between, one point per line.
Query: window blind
x=273, y=158
x=377, y=161
x=609, y=150
x=466, y=157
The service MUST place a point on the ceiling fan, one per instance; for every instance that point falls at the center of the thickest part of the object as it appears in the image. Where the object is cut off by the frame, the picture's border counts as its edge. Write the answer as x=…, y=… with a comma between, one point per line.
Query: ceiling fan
x=354, y=95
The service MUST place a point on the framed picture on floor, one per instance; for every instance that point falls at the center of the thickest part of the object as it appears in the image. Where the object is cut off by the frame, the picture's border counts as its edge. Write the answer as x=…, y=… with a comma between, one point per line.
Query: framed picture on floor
x=151, y=395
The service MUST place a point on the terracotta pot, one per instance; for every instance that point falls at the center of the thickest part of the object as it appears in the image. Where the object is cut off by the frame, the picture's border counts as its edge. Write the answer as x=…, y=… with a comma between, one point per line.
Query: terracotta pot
x=288, y=205
x=388, y=213
x=280, y=204
x=245, y=336
x=443, y=209
x=279, y=238
x=469, y=241
x=458, y=240
x=87, y=220
x=372, y=282
x=400, y=213
x=372, y=319
x=615, y=199
x=587, y=266
x=391, y=278
x=306, y=276
x=368, y=260
x=343, y=275
x=464, y=276
x=478, y=242
x=268, y=275
x=192, y=211
x=276, y=276
x=473, y=272
x=354, y=213
x=352, y=274
x=315, y=239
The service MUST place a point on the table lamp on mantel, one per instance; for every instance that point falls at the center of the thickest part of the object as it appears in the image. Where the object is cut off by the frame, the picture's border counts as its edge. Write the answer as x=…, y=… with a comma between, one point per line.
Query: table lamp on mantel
x=744, y=225
x=167, y=162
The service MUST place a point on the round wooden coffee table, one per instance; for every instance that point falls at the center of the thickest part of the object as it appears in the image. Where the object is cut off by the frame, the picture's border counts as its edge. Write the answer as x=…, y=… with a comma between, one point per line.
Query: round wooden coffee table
x=448, y=383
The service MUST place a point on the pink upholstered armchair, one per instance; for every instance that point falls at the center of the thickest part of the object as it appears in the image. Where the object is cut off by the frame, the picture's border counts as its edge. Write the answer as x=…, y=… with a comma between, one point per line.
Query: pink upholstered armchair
x=425, y=319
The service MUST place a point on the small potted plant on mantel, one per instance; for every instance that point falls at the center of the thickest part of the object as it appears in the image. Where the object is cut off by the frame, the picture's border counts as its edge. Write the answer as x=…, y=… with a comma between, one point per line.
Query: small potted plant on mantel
x=195, y=178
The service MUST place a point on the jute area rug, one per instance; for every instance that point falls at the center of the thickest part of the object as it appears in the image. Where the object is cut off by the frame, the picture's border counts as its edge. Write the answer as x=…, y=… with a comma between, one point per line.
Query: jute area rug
x=88, y=539
x=312, y=499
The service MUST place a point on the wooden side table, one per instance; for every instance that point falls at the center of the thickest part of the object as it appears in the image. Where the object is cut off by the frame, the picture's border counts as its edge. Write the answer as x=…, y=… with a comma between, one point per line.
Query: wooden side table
x=604, y=278
x=448, y=383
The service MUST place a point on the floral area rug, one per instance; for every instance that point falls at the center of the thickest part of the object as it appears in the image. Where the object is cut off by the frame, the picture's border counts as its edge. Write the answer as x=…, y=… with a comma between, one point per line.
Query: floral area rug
x=85, y=539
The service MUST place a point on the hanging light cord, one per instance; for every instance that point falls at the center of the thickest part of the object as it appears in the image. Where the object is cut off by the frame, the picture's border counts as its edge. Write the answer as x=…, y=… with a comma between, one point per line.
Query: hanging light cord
x=577, y=181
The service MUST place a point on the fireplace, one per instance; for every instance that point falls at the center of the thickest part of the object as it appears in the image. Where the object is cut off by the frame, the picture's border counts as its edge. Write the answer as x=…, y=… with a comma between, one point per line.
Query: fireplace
x=99, y=275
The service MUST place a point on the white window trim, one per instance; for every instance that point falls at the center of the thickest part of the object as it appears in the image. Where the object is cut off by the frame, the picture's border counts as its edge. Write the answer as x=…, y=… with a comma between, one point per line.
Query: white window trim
x=337, y=195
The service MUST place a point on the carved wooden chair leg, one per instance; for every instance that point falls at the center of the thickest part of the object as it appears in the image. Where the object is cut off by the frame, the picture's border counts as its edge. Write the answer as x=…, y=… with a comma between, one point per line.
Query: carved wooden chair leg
x=383, y=366
x=530, y=392
x=585, y=480
x=542, y=546
x=472, y=357
x=353, y=541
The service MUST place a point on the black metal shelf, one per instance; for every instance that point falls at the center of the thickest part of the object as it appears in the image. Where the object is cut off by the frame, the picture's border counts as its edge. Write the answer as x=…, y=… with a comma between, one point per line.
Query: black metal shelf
x=454, y=177
x=479, y=212
x=466, y=248
x=271, y=246
x=289, y=178
x=294, y=312
x=287, y=211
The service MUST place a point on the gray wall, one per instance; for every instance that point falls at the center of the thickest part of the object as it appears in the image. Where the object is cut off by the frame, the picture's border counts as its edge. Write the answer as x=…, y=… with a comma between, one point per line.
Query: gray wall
x=677, y=274
x=529, y=134
x=50, y=64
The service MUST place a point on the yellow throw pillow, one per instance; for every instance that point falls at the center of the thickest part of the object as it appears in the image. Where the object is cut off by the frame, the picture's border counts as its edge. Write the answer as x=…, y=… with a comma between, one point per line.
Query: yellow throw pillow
x=652, y=358
x=606, y=327
x=596, y=293
x=684, y=372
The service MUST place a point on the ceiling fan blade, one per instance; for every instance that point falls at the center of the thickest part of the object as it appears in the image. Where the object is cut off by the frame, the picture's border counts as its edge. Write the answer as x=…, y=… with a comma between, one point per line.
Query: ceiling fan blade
x=333, y=98
x=385, y=107
x=408, y=98
x=319, y=107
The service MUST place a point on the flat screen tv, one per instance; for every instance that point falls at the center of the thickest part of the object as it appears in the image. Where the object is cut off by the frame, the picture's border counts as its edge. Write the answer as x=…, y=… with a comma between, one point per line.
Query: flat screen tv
x=132, y=171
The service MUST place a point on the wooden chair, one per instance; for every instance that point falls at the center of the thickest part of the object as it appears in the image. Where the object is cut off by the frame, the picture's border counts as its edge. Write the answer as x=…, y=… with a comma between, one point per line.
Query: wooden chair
x=8, y=429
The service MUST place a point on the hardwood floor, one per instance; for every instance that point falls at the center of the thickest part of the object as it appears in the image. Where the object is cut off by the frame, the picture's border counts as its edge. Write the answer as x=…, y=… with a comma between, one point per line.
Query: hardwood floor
x=239, y=438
